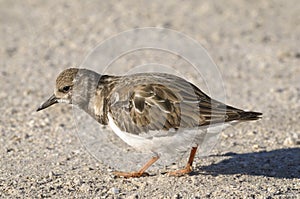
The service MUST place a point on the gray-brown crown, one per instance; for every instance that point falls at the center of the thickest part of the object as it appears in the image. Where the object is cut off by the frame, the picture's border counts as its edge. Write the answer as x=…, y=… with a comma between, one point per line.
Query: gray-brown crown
x=66, y=77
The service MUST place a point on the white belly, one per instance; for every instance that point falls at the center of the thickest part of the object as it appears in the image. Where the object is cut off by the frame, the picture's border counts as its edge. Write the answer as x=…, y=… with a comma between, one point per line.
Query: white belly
x=135, y=141
x=161, y=142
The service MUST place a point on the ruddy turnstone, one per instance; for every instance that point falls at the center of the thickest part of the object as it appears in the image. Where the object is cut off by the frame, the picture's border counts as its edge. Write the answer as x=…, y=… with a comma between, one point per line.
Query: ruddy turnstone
x=148, y=111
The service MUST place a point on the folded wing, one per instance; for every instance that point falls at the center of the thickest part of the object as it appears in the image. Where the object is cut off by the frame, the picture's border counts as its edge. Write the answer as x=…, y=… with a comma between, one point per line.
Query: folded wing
x=166, y=102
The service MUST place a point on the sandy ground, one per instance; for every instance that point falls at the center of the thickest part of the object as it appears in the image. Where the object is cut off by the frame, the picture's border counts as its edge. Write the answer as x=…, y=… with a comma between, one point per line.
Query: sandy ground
x=254, y=43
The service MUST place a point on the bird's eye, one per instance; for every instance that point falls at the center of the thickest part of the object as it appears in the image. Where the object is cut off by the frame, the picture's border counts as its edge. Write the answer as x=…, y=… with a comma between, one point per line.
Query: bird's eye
x=66, y=88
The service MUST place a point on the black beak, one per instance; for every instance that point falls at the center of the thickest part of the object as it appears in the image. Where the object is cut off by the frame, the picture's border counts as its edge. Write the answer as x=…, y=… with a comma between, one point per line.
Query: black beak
x=52, y=100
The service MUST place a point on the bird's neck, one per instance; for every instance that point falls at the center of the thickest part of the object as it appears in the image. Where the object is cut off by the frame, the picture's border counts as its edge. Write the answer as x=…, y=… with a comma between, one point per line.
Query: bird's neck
x=97, y=98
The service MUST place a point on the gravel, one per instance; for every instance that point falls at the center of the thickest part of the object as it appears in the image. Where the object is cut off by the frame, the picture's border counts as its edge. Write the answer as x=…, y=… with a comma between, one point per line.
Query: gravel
x=255, y=45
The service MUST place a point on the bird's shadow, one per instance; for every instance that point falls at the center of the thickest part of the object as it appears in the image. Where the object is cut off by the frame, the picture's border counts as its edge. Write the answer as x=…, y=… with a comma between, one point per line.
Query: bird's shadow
x=280, y=163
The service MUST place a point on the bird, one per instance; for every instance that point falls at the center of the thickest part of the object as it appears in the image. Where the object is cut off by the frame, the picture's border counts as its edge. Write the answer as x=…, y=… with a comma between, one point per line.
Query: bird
x=152, y=112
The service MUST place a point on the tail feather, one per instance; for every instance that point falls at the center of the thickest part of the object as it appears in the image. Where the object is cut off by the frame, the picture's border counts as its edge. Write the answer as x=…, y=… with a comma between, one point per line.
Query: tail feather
x=250, y=115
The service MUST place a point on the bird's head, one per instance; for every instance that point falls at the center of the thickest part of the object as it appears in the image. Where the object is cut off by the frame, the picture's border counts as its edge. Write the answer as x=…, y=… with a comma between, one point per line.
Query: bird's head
x=63, y=90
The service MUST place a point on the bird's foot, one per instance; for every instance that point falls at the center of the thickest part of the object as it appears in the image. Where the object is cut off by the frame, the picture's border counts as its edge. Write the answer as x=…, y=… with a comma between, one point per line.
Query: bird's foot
x=181, y=172
x=140, y=173
x=130, y=174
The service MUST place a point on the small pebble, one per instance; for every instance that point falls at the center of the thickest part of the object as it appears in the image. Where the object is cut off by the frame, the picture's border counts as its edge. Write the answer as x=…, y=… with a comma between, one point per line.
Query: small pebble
x=115, y=190
x=77, y=181
x=51, y=174
x=84, y=187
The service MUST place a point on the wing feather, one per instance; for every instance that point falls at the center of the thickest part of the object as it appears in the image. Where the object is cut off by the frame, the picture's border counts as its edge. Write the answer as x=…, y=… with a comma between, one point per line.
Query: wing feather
x=164, y=102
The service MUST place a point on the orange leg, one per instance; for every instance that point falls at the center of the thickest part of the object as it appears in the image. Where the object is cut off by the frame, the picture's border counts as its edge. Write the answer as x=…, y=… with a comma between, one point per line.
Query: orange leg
x=139, y=173
x=188, y=168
